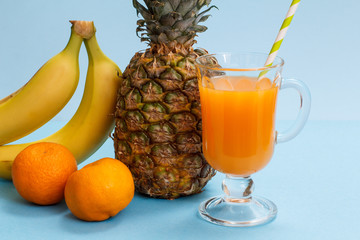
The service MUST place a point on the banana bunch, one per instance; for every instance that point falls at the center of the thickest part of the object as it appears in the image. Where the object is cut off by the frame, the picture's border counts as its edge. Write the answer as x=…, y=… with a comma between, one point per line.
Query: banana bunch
x=48, y=91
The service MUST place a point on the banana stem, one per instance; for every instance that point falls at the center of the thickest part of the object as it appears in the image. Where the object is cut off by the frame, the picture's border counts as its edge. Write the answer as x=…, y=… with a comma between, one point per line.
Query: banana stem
x=74, y=44
x=93, y=49
x=80, y=30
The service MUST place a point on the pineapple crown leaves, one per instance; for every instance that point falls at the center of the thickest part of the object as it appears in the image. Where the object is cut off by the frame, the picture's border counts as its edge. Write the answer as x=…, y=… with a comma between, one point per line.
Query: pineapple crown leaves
x=166, y=21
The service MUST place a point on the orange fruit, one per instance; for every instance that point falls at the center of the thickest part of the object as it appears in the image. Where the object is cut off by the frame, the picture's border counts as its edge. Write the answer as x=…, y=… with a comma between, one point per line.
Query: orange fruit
x=99, y=190
x=40, y=172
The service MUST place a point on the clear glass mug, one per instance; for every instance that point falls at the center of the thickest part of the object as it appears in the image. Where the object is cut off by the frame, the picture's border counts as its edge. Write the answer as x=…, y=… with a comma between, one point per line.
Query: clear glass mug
x=238, y=103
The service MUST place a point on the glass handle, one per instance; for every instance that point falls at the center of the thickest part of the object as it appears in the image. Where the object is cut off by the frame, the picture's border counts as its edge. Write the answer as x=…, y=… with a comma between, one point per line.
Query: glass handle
x=304, y=111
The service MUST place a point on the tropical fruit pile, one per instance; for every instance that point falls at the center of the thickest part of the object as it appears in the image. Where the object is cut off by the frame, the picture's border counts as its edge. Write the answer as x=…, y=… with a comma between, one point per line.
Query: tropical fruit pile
x=45, y=171
x=154, y=107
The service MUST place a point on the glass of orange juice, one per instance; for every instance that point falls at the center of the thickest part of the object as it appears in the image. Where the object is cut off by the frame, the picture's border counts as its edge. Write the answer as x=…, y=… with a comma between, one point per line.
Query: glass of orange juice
x=238, y=103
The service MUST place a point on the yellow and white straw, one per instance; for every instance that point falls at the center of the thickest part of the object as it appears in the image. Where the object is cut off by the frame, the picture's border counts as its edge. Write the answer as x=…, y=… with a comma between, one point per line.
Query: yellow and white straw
x=284, y=27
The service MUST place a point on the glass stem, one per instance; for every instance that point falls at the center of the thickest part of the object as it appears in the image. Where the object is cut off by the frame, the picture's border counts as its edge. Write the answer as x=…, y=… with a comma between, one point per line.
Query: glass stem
x=237, y=189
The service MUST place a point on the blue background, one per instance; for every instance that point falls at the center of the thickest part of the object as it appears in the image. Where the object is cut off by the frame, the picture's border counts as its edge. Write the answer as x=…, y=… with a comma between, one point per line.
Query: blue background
x=321, y=47
x=314, y=179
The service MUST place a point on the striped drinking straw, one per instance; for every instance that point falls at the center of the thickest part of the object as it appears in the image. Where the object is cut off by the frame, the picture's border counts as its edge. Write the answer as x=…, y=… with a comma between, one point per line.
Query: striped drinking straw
x=284, y=27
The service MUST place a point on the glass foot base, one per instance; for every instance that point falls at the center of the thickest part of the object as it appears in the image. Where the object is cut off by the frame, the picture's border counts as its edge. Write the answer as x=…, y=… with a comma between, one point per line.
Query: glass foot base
x=238, y=212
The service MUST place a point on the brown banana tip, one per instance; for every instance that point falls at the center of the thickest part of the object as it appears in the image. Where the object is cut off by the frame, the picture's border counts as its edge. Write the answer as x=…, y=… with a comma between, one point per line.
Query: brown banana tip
x=85, y=29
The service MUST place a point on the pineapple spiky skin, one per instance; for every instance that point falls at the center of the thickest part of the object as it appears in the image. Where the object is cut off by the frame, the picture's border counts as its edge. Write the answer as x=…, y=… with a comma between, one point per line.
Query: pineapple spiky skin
x=158, y=116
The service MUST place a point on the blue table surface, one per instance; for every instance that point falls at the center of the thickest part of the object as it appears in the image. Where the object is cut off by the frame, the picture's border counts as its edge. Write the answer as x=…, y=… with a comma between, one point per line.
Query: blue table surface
x=314, y=180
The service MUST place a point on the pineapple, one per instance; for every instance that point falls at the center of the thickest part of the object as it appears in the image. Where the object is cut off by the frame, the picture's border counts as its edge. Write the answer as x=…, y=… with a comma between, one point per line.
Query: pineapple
x=158, y=116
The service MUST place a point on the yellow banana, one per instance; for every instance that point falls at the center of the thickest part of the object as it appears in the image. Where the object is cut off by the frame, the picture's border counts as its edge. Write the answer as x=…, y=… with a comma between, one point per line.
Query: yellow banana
x=45, y=94
x=94, y=119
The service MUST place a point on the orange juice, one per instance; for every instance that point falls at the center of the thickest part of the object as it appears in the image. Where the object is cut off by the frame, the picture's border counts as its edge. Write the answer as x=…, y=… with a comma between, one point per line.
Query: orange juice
x=238, y=123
